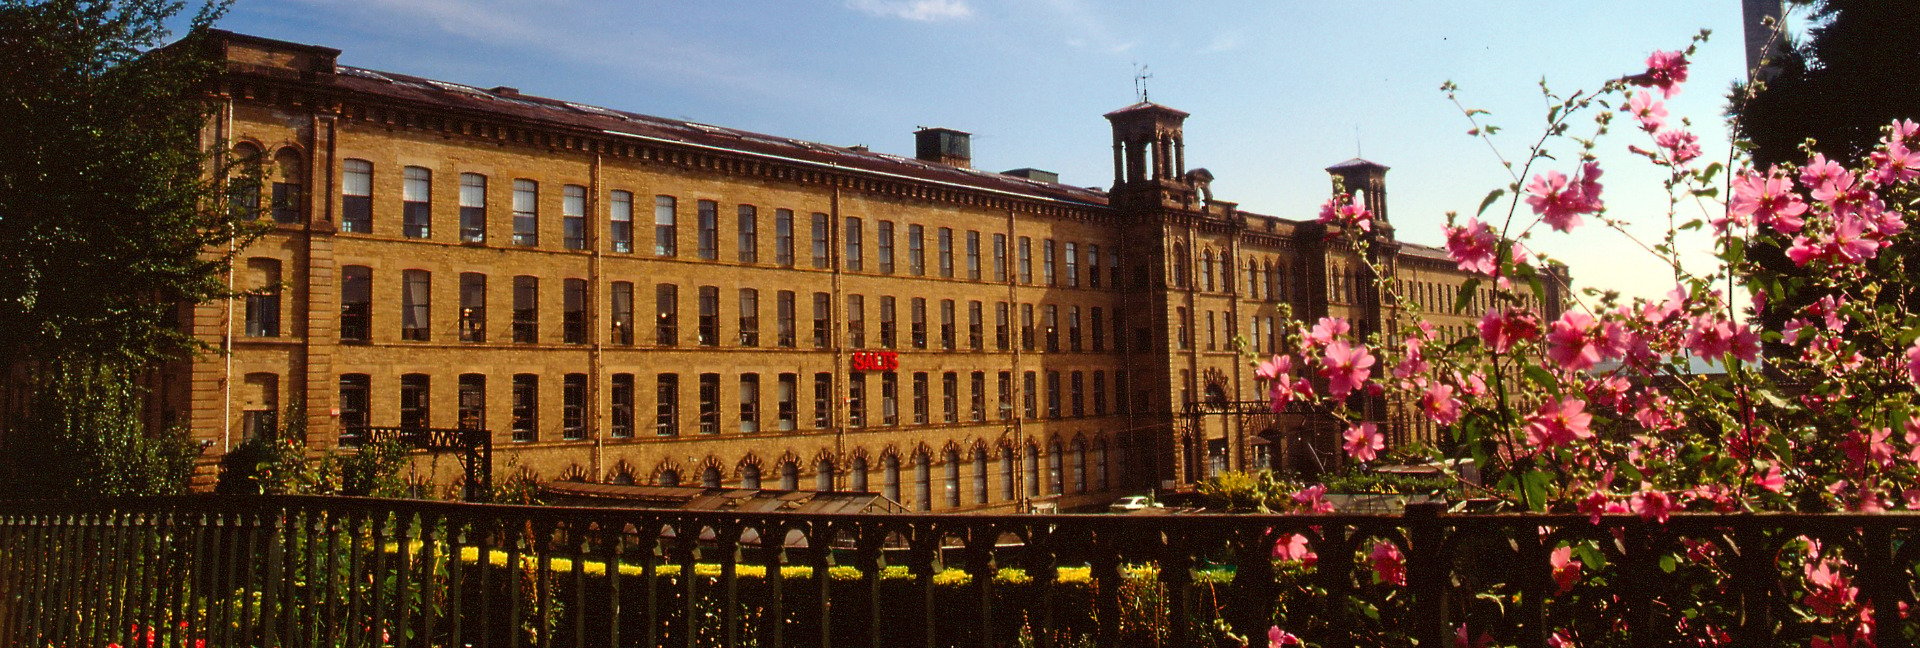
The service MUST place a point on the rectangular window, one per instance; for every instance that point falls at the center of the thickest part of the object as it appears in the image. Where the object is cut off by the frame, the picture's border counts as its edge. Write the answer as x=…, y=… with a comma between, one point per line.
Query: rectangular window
x=526, y=212
x=526, y=309
x=1099, y=393
x=749, y=403
x=473, y=307
x=1124, y=404
x=573, y=407
x=573, y=217
x=708, y=229
x=356, y=394
x=749, y=317
x=1213, y=333
x=822, y=400
x=884, y=240
x=921, y=400
x=1001, y=327
x=783, y=237
x=473, y=208
x=415, y=401
x=786, y=406
x=621, y=312
x=976, y=325
x=947, y=326
x=856, y=321
x=1073, y=329
x=263, y=303
x=289, y=199
x=1072, y=252
x=1093, y=266
x=1025, y=260
x=822, y=241
x=1026, y=327
x=888, y=327
x=666, y=398
x=621, y=397
x=1030, y=395
x=783, y=318
x=620, y=220
x=666, y=303
x=416, y=202
x=944, y=239
x=666, y=227
x=356, y=303
x=1076, y=392
x=708, y=328
x=889, y=398
x=415, y=305
x=977, y=396
x=526, y=407
x=573, y=316
x=472, y=402
x=1050, y=324
x=356, y=197
x=1098, y=325
x=1182, y=324
x=1003, y=395
x=1053, y=394
x=709, y=403
x=973, y=255
x=749, y=243
x=917, y=314
x=851, y=234
x=950, y=397
x=822, y=320
x=856, y=399
x=1047, y=260
x=916, y=250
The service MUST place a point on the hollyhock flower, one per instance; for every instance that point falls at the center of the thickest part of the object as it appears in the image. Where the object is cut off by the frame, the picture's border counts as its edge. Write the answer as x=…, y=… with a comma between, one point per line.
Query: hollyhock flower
x=1558, y=423
x=1566, y=570
x=1501, y=329
x=1313, y=499
x=1559, y=639
x=1413, y=361
x=1277, y=638
x=1769, y=200
x=1328, y=328
x=1829, y=592
x=1574, y=341
x=1560, y=201
x=1821, y=171
x=1771, y=480
x=1460, y=638
x=1474, y=247
x=1895, y=164
x=1681, y=146
x=1666, y=71
x=1904, y=131
x=1652, y=505
x=1284, y=392
x=1276, y=368
x=1866, y=449
x=1439, y=404
x=1389, y=565
x=1597, y=503
x=1346, y=367
x=1294, y=547
x=1342, y=211
x=1913, y=362
x=1363, y=442
x=1651, y=112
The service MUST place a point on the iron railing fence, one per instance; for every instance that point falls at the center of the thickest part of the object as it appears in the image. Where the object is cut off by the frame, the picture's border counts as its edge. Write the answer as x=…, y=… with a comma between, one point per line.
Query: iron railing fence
x=313, y=571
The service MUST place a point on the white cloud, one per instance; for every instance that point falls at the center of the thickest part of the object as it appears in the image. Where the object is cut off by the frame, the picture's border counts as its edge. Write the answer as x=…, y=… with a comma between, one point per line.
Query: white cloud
x=1225, y=41
x=918, y=10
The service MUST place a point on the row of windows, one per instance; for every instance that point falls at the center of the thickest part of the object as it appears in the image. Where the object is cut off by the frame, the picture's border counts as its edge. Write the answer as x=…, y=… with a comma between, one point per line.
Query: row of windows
x=1265, y=278
x=1436, y=297
x=940, y=329
x=1263, y=331
x=747, y=415
x=1063, y=263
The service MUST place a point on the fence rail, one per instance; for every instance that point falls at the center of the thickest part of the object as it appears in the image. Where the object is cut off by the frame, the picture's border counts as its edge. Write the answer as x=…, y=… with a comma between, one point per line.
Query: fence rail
x=308, y=571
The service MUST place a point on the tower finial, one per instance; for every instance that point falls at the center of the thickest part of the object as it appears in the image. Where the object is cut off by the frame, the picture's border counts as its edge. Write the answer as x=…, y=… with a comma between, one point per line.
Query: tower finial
x=1140, y=76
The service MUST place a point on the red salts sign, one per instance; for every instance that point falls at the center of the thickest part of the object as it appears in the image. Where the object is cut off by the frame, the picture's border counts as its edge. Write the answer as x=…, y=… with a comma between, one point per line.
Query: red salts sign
x=875, y=361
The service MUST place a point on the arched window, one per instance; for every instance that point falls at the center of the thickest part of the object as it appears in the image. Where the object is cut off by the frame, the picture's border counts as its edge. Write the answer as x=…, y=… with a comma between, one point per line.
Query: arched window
x=823, y=474
x=243, y=180
x=289, y=180
x=858, y=475
x=750, y=476
x=953, y=478
x=669, y=477
x=1206, y=270
x=710, y=478
x=1179, y=265
x=1079, y=466
x=890, y=481
x=922, y=481
x=1033, y=471
x=1007, y=491
x=789, y=476
x=1056, y=474
x=980, y=493
x=1101, y=469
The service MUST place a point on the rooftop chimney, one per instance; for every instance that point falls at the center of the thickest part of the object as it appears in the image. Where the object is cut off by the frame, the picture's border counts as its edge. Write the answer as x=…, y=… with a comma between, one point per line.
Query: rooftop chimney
x=943, y=146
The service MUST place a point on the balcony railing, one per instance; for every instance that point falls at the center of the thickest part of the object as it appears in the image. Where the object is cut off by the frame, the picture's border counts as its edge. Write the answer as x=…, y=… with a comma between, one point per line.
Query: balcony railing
x=306, y=571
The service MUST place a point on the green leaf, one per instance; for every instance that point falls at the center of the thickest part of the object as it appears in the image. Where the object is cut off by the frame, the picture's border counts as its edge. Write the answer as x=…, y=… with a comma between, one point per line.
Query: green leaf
x=1536, y=484
x=1668, y=564
x=1540, y=376
x=1467, y=291
x=1488, y=201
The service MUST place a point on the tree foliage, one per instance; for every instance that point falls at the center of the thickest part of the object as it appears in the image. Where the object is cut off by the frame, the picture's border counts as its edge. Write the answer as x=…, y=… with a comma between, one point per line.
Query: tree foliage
x=1854, y=74
x=109, y=208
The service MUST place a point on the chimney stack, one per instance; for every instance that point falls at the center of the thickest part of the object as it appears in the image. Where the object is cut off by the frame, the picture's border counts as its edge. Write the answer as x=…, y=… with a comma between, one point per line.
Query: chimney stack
x=944, y=146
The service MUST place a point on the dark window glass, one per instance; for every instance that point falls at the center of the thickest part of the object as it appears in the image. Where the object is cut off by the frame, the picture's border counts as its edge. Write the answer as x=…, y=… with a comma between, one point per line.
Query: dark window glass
x=666, y=302
x=415, y=401
x=666, y=227
x=944, y=239
x=888, y=326
x=473, y=208
x=356, y=303
x=977, y=396
x=263, y=300
x=666, y=418
x=356, y=394
x=473, y=402
x=526, y=212
x=620, y=220
x=822, y=400
x=621, y=398
x=526, y=407
x=950, y=397
x=573, y=217
x=822, y=241
x=1026, y=260
x=856, y=321
x=851, y=234
x=621, y=312
x=473, y=307
x=709, y=229
x=973, y=256
x=916, y=250
x=573, y=316
x=783, y=237
x=889, y=398
x=356, y=197
x=709, y=403
x=1000, y=257
x=918, y=314
x=783, y=318
x=749, y=239
x=526, y=309
x=1001, y=333
x=749, y=317
x=415, y=305
x=822, y=320
x=786, y=402
x=573, y=406
x=922, y=404
x=708, y=327
x=1053, y=394
x=749, y=403
x=416, y=213
x=1047, y=260
x=947, y=325
x=976, y=326
x=856, y=399
x=884, y=241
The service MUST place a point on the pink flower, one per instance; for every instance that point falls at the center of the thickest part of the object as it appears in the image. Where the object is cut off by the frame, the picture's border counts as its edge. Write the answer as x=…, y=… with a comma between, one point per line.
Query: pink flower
x=1342, y=211
x=1820, y=171
x=1771, y=480
x=1829, y=592
x=1345, y=367
x=1389, y=566
x=1439, y=404
x=1325, y=330
x=1474, y=247
x=1364, y=442
x=1276, y=368
x=1460, y=638
x=1560, y=202
x=1559, y=639
x=1652, y=505
x=1712, y=338
x=1681, y=146
x=1558, y=423
x=1666, y=71
x=1650, y=111
x=1895, y=164
x=1913, y=362
x=1574, y=341
x=1769, y=200
x=1904, y=131
x=1277, y=638
x=1501, y=329
x=1294, y=547
x=1566, y=570
x=1313, y=499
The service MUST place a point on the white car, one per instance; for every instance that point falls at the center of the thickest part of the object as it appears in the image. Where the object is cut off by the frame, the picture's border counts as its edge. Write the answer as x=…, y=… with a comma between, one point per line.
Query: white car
x=1132, y=503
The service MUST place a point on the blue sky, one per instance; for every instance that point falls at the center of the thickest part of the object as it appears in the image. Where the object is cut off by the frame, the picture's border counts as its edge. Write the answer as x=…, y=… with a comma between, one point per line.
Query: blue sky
x=1278, y=90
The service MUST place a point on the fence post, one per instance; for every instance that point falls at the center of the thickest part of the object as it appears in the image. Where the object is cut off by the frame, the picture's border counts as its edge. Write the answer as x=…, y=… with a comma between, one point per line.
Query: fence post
x=1427, y=571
